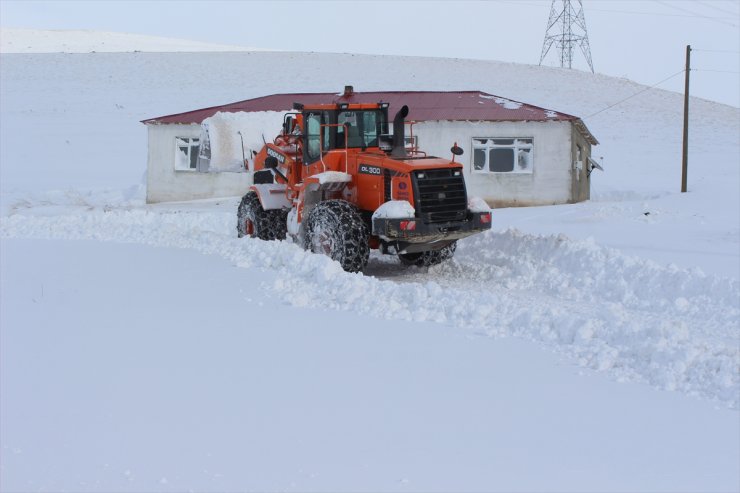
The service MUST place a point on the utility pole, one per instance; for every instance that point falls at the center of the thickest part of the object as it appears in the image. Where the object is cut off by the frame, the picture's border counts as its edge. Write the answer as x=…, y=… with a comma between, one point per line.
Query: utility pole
x=685, y=158
x=566, y=28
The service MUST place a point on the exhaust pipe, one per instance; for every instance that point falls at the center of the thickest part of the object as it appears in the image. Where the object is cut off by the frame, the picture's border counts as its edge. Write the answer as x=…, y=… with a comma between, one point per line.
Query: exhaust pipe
x=399, y=132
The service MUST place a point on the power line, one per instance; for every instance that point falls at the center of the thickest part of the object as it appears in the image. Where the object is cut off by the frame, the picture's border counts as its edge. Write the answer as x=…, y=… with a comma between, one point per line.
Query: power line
x=631, y=12
x=716, y=71
x=521, y=2
x=717, y=51
x=695, y=14
x=659, y=14
x=637, y=93
x=707, y=4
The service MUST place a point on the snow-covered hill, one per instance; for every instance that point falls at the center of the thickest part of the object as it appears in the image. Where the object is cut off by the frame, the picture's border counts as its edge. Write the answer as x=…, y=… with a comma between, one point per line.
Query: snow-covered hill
x=639, y=285
x=14, y=40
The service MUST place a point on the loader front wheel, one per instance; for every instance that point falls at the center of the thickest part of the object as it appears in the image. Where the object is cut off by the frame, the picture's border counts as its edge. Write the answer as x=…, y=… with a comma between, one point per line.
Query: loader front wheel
x=336, y=229
x=253, y=221
x=432, y=257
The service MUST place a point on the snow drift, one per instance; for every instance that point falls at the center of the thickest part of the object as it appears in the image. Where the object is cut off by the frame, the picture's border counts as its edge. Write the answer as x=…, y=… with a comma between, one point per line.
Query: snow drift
x=235, y=134
x=668, y=327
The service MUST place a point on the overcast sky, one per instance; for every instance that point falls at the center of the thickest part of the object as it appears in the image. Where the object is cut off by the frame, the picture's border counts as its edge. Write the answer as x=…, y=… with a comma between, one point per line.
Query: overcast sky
x=643, y=40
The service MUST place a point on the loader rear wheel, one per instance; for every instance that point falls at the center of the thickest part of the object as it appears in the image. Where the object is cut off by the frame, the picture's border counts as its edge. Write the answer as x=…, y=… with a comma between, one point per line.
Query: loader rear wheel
x=253, y=221
x=432, y=257
x=336, y=229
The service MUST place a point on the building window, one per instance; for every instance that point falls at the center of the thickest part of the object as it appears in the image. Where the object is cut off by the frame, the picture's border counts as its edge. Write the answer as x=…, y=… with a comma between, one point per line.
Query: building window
x=498, y=155
x=186, y=153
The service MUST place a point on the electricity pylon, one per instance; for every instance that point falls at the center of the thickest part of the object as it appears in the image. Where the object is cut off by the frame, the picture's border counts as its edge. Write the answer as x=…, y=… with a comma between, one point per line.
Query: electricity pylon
x=567, y=29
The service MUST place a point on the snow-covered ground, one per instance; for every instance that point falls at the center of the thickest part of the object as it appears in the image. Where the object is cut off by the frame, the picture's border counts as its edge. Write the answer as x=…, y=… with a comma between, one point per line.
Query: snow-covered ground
x=132, y=368
x=588, y=347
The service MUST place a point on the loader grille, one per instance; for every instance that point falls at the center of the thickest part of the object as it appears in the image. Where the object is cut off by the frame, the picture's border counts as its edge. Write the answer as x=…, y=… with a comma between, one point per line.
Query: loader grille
x=440, y=195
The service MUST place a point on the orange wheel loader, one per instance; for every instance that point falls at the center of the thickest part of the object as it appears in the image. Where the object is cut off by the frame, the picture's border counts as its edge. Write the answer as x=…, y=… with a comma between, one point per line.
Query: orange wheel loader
x=338, y=183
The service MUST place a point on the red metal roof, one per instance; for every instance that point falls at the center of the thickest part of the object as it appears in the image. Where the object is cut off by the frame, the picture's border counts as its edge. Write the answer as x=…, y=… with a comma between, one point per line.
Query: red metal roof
x=423, y=106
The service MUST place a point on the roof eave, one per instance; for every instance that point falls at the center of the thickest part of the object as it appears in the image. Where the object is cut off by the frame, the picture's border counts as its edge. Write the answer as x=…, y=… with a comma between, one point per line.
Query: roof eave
x=581, y=126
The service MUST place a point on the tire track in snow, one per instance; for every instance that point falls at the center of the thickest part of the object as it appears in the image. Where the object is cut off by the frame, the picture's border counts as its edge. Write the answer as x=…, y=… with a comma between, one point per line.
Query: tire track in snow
x=671, y=328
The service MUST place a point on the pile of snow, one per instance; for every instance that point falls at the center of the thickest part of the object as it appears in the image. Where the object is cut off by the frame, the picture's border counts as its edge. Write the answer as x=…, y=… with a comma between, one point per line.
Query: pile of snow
x=395, y=209
x=233, y=135
x=85, y=41
x=333, y=177
x=62, y=201
x=477, y=204
x=671, y=328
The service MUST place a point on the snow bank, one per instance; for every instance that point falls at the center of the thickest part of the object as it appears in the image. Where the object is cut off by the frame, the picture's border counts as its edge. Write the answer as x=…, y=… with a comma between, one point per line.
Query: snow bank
x=671, y=328
x=65, y=201
x=223, y=131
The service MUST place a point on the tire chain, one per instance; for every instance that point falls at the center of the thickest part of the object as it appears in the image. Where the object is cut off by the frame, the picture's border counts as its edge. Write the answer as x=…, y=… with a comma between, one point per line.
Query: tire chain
x=268, y=225
x=349, y=233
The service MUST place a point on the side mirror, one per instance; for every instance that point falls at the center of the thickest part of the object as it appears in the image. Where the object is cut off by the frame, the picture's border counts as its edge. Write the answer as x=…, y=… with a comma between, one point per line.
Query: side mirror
x=456, y=150
x=271, y=162
x=288, y=125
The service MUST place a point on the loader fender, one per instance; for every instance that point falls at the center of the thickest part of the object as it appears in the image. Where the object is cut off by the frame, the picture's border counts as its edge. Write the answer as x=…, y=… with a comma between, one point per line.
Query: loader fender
x=272, y=196
x=328, y=181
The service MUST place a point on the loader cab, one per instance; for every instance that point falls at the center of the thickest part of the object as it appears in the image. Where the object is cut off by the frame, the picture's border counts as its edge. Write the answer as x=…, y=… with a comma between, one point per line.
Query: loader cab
x=343, y=126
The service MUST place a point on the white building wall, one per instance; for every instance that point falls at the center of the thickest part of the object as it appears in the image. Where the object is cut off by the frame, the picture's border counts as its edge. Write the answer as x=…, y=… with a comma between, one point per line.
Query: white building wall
x=166, y=184
x=581, y=175
x=551, y=179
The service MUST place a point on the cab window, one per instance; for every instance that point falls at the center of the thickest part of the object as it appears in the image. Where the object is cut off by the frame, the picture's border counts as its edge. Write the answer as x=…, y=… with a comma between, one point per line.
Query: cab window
x=370, y=126
x=313, y=130
x=362, y=128
x=350, y=124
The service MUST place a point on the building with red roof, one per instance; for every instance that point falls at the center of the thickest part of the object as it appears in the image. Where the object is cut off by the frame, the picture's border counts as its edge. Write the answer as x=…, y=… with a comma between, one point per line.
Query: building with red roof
x=516, y=154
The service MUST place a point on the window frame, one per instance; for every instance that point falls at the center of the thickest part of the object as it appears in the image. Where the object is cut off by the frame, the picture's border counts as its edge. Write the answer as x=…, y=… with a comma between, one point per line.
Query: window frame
x=518, y=145
x=193, y=146
x=307, y=118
